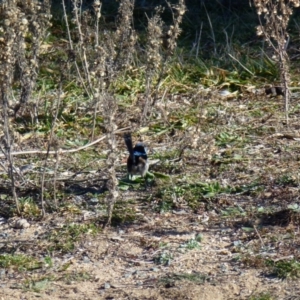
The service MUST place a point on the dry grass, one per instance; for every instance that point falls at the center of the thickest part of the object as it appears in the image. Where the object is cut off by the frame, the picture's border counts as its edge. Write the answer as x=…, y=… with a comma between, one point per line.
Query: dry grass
x=223, y=165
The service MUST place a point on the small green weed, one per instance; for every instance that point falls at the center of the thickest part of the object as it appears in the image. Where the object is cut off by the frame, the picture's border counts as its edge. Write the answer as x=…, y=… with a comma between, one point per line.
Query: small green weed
x=64, y=239
x=209, y=190
x=227, y=157
x=284, y=269
x=28, y=207
x=70, y=209
x=224, y=139
x=162, y=245
x=176, y=124
x=20, y=262
x=136, y=182
x=287, y=180
x=253, y=188
x=38, y=285
x=192, y=194
x=70, y=278
x=123, y=213
x=190, y=245
x=233, y=212
x=164, y=258
x=262, y=296
x=164, y=206
x=48, y=261
x=166, y=155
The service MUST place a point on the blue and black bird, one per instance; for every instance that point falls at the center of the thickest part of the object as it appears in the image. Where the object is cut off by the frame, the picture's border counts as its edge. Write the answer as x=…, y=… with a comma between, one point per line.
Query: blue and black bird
x=137, y=161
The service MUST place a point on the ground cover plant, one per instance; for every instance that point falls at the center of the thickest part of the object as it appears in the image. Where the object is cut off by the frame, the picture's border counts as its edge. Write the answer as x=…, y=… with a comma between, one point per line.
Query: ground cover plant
x=217, y=216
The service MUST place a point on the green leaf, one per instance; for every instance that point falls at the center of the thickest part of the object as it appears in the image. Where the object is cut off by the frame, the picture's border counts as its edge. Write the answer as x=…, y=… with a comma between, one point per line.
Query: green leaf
x=159, y=175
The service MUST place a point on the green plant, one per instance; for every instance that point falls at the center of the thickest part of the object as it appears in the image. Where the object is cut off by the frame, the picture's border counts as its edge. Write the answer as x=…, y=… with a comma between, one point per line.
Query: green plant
x=262, y=296
x=191, y=244
x=70, y=278
x=28, y=207
x=64, y=239
x=284, y=269
x=164, y=206
x=38, y=285
x=224, y=139
x=20, y=262
x=233, y=212
x=287, y=180
x=192, y=194
x=274, y=18
x=48, y=261
x=164, y=258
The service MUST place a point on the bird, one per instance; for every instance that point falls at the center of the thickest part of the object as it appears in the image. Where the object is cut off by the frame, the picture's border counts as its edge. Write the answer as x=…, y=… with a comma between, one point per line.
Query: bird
x=137, y=161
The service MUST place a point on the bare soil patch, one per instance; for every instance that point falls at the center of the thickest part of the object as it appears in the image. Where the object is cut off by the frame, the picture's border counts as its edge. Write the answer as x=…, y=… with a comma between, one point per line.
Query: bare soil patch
x=205, y=232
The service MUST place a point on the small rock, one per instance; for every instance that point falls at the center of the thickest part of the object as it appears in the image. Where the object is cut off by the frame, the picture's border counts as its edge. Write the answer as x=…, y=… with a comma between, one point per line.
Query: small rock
x=78, y=199
x=94, y=201
x=106, y=286
x=26, y=168
x=2, y=220
x=224, y=267
x=154, y=269
x=143, y=275
x=86, y=260
x=179, y=212
x=2, y=273
x=237, y=243
x=20, y=224
x=4, y=235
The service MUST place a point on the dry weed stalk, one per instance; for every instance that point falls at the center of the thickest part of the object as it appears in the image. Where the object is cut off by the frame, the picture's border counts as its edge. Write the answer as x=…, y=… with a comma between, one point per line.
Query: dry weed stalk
x=8, y=35
x=273, y=27
x=8, y=149
x=160, y=36
x=174, y=31
x=84, y=36
x=31, y=152
x=110, y=109
x=153, y=54
x=103, y=56
x=35, y=24
x=19, y=19
x=124, y=38
x=52, y=142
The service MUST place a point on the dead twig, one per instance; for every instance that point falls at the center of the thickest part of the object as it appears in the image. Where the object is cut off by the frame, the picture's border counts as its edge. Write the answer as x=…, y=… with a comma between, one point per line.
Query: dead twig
x=65, y=151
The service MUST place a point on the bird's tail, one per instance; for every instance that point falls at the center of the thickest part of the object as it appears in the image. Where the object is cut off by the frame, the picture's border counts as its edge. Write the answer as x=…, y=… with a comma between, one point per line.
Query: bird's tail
x=128, y=142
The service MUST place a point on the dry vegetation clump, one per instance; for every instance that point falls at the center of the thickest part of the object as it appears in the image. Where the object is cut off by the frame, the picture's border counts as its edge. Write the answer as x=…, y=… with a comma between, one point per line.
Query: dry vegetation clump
x=106, y=56
x=100, y=57
x=19, y=20
x=161, y=43
x=219, y=214
x=273, y=27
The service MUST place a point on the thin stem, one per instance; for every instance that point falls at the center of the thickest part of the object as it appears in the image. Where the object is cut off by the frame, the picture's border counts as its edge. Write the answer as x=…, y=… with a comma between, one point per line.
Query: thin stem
x=47, y=154
x=9, y=155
